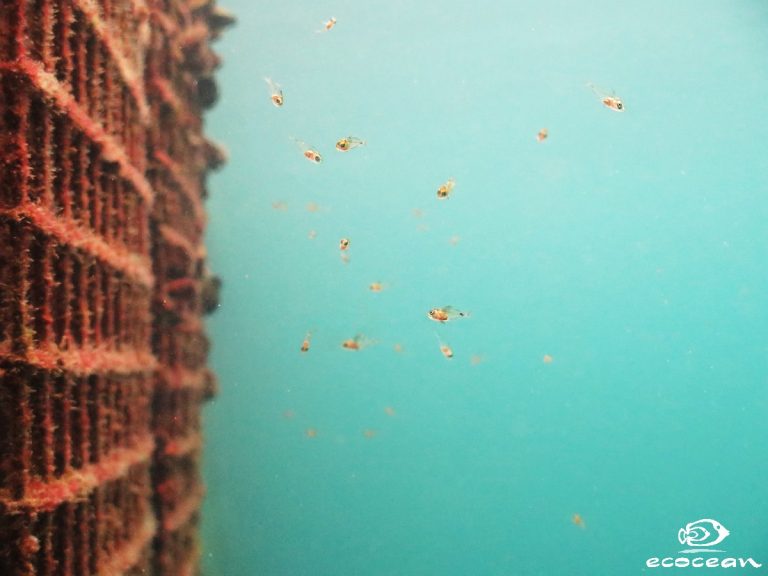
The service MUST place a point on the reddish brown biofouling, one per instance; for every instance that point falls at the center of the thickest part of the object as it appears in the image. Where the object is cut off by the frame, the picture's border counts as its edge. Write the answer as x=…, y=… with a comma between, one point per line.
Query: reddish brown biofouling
x=102, y=348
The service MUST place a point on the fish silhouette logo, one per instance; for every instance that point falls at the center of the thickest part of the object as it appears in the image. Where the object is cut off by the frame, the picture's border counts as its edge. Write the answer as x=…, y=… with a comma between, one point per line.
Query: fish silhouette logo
x=702, y=536
x=704, y=532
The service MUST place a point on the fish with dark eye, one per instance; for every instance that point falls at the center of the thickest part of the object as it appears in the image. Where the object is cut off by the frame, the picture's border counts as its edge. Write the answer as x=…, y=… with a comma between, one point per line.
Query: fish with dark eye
x=609, y=100
x=446, y=313
x=275, y=92
x=445, y=189
x=348, y=143
x=357, y=343
x=305, y=344
x=309, y=153
x=445, y=350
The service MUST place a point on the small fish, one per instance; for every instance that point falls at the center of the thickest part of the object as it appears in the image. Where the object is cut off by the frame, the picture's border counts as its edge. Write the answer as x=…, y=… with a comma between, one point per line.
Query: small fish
x=305, y=343
x=275, y=92
x=343, y=244
x=445, y=350
x=376, y=287
x=704, y=532
x=542, y=135
x=328, y=25
x=578, y=521
x=357, y=343
x=446, y=313
x=346, y=144
x=309, y=153
x=445, y=190
x=609, y=100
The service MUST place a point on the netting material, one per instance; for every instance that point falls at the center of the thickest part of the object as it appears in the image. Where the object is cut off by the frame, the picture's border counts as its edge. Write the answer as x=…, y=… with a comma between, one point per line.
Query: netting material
x=102, y=282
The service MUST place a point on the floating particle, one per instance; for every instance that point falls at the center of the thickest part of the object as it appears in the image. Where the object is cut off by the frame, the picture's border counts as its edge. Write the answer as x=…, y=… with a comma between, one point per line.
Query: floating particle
x=389, y=411
x=398, y=348
x=445, y=190
x=542, y=135
x=280, y=205
x=417, y=212
x=348, y=143
x=547, y=359
x=454, y=240
x=310, y=432
x=578, y=521
x=369, y=433
x=275, y=92
x=376, y=287
x=445, y=314
x=609, y=100
x=313, y=207
x=476, y=359
x=312, y=234
x=289, y=414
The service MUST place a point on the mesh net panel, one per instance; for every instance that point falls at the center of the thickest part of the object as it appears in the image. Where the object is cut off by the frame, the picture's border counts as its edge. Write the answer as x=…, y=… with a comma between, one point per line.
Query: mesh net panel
x=103, y=283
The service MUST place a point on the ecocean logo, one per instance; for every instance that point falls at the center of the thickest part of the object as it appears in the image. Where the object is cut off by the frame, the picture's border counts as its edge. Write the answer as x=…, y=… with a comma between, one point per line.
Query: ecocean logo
x=701, y=536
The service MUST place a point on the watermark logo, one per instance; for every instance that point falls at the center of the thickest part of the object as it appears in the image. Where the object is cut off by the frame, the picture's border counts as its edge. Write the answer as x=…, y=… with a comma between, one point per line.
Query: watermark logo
x=704, y=532
x=701, y=536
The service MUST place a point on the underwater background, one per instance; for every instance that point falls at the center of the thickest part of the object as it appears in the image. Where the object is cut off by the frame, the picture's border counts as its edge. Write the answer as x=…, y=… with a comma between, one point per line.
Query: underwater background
x=609, y=384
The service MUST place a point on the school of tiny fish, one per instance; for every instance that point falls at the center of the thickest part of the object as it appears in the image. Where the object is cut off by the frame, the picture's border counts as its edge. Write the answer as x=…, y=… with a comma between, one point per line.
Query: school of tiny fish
x=441, y=314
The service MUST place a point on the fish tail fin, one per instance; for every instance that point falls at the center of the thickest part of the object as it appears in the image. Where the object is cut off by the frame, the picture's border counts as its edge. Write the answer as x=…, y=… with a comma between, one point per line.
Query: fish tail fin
x=597, y=91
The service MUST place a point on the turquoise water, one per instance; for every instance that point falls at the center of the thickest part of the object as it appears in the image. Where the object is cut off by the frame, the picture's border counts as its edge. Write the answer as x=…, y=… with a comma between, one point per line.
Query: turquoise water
x=629, y=247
